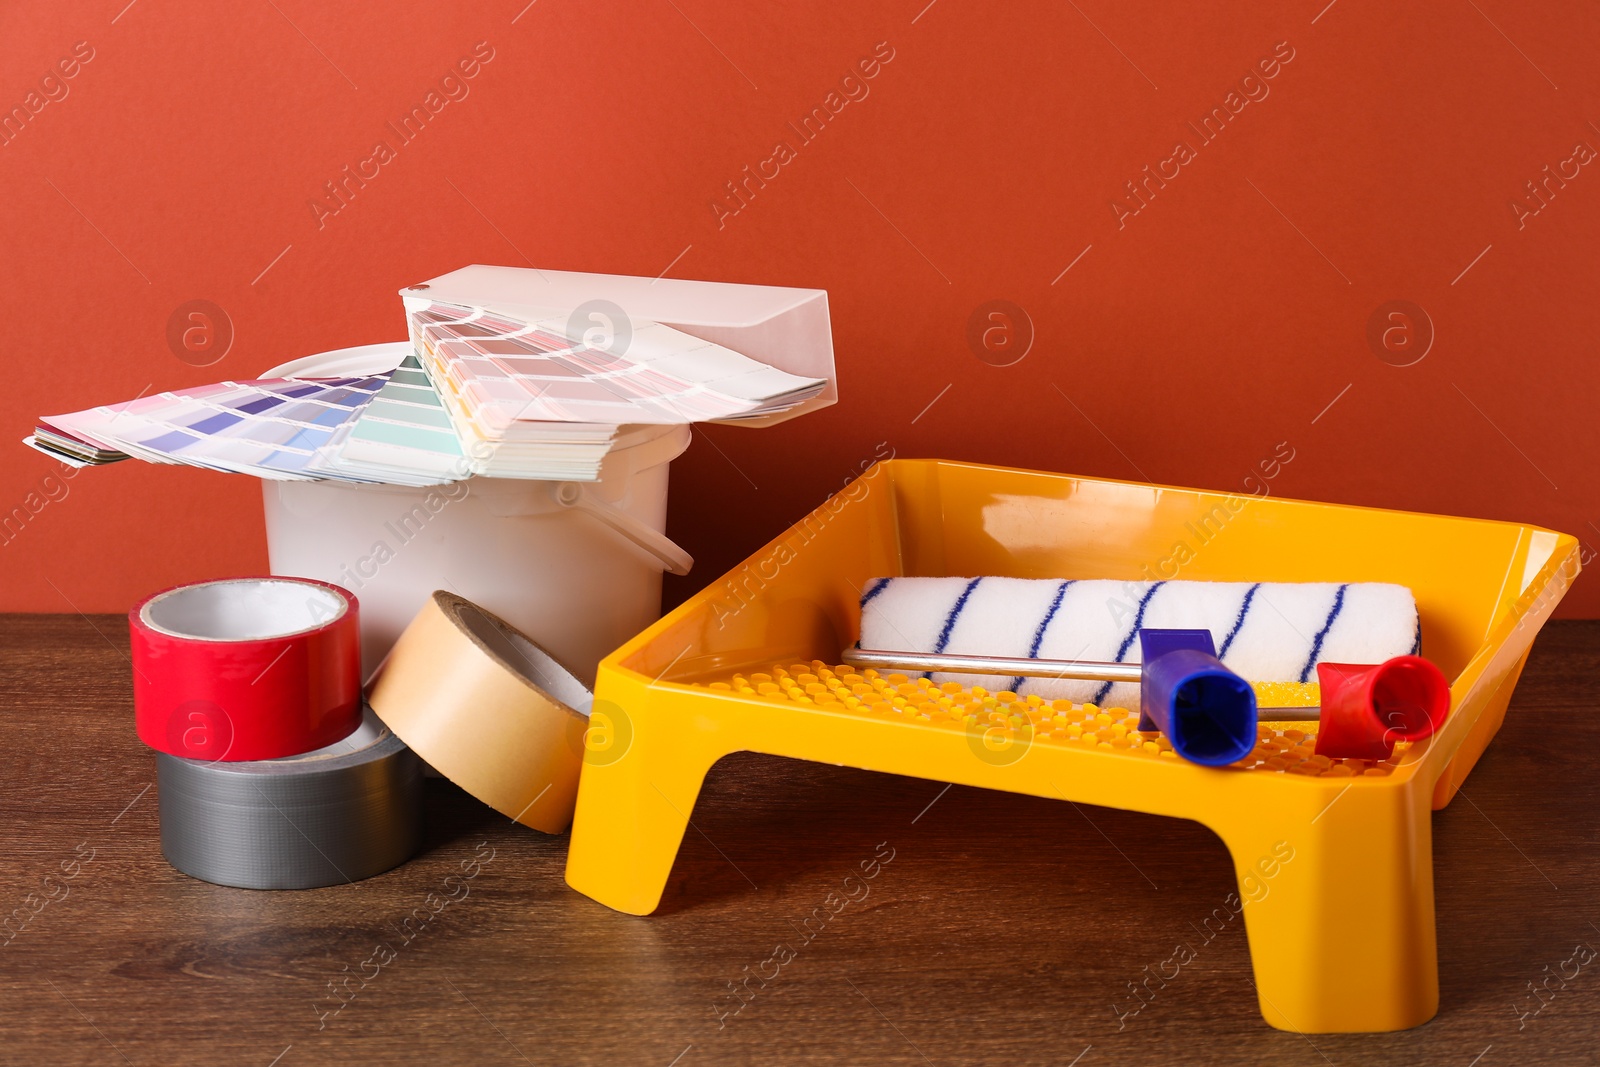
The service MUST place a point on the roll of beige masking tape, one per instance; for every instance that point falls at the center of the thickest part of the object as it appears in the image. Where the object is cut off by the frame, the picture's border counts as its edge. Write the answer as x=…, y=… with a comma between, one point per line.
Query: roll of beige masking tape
x=488, y=709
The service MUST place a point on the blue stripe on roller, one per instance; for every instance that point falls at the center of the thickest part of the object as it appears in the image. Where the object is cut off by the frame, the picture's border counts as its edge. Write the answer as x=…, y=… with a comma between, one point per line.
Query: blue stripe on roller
x=883, y=583
x=1316, y=646
x=1244, y=609
x=950, y=620
x=955, y=613
x=1038, y=635
x=1416, y=644
x=1133, y=633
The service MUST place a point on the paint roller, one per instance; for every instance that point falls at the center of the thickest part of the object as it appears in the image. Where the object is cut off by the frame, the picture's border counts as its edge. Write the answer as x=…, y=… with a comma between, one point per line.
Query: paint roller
x=1361, y=640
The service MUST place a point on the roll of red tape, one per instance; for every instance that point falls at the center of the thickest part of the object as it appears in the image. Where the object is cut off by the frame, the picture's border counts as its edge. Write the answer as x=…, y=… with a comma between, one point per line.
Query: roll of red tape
x=246, y=668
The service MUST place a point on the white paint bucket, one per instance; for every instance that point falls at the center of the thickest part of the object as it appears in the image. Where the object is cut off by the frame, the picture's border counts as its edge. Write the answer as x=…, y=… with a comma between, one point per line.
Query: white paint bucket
x=575, y=565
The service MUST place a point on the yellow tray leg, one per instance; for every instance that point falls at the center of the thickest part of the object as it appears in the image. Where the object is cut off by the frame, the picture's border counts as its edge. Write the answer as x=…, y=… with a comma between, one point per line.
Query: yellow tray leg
x=638, y=789
x=1338, y=906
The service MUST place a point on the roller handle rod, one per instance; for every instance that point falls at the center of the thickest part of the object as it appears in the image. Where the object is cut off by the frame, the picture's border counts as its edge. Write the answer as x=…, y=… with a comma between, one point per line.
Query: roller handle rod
x=1092, y=670
x=1089, y=669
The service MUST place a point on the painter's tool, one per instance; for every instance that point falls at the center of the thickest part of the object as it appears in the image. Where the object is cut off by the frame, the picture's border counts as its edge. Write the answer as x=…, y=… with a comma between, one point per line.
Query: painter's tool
x=1264, y=631
x=339, y=814
x=488, y=709
x=246, y=668
x=1209, y=713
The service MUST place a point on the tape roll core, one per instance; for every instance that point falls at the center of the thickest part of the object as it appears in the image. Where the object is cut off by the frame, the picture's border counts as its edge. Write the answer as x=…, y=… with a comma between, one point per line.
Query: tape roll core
x=487, y=708
x=242, y=609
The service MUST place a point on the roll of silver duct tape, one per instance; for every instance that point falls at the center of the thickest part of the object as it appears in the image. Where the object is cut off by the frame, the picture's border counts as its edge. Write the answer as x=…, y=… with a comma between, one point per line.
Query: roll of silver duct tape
x=335, y=815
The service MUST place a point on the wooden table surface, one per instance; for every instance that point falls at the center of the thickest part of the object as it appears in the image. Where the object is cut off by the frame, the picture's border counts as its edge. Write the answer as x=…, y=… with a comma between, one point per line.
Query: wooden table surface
x=1003, y=929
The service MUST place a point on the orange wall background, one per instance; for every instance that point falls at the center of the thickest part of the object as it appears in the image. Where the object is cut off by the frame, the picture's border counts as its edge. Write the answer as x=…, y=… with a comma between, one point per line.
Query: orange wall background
x=1245, y=300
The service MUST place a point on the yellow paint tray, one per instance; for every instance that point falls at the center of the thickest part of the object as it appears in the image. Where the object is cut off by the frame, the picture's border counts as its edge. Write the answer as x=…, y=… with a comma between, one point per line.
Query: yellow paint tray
x=1343, y=941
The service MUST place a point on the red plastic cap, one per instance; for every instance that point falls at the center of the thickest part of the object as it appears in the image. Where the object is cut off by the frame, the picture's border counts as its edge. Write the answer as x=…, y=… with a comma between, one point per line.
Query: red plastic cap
x=1367, y=708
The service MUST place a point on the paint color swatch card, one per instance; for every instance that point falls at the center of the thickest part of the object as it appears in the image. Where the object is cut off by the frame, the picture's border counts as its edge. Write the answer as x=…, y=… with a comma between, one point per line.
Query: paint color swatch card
x=497, y=384
x=73, y=451
x=541, y=392
x=564, y=451
x=553, y=365
x=403, y=437
x=735, y=350
x=272, y=427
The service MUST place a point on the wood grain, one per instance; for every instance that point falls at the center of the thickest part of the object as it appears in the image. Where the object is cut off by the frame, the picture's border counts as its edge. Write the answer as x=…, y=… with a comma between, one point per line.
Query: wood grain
x=1003, y=930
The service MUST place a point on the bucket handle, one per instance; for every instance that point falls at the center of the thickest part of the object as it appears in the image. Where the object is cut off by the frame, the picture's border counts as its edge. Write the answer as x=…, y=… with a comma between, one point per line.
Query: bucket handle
x=652, y=541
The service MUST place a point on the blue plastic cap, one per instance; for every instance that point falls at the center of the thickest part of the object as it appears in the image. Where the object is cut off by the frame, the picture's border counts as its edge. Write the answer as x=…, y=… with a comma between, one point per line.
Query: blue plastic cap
x=1156, y=643
x=1207, y=712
